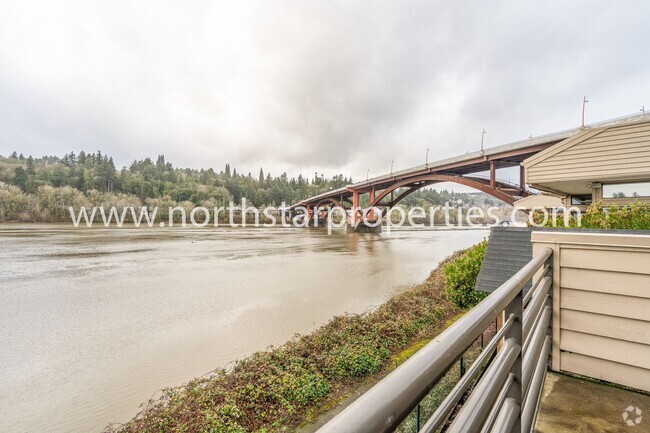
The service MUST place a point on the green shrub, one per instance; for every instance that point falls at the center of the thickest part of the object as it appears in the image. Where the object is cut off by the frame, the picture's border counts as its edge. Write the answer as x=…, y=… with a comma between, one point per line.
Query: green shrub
x=302, y=386
x=461, y=277
x=636, y=216
x=356, y=361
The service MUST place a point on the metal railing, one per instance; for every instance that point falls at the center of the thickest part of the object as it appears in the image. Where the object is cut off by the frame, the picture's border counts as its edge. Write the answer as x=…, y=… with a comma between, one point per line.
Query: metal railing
x=499, y=392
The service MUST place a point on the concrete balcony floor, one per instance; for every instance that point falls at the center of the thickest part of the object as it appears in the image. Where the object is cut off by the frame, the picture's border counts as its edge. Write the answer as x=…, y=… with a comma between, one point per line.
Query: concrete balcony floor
x=579, y=406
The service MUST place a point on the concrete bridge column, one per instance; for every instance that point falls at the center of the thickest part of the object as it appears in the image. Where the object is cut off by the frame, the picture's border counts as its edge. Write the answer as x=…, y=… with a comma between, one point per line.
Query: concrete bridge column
x=492, y=175
x=371, y=214
x=354, y=218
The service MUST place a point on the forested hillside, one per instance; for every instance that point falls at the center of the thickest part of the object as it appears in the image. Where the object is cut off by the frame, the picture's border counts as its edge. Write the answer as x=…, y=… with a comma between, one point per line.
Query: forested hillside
x=149, y=179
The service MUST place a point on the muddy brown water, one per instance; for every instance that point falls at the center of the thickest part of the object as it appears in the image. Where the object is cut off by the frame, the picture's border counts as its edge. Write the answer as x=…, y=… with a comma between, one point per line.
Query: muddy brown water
x=94, y=321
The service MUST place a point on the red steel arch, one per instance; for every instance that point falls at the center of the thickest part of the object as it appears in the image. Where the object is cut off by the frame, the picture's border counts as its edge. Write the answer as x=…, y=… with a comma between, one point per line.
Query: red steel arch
x=335, y=202
x=331, y=200
x=427, y=179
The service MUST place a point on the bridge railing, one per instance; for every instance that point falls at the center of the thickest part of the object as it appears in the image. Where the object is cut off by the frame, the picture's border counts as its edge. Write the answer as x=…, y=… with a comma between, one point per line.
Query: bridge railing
x=499, y=392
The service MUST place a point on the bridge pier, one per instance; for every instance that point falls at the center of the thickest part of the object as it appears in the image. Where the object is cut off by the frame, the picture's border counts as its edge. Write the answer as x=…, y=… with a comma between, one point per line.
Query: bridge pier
x=362, y=227
x=354, y=215
x=371, y=199
x=492, y=175
x=318, y=219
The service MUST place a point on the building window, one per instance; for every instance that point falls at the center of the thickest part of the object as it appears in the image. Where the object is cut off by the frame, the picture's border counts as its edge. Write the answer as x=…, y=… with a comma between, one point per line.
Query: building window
x=581, y=200
x=626, y=190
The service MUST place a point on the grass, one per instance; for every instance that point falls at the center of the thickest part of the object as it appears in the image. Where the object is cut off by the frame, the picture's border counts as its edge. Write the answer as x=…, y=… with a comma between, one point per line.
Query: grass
x=278, y=389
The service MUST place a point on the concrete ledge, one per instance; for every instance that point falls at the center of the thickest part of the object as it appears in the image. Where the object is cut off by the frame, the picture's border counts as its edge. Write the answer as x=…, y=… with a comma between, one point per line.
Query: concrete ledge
x=572, y=405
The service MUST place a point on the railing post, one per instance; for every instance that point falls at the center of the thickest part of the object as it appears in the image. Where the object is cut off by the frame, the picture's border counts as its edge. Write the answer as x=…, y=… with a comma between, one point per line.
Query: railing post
x=516, y=332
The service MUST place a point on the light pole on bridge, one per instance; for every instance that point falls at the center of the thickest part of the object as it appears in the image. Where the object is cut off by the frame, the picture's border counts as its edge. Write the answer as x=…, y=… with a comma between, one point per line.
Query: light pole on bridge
x=391, y=167
x=482, y=136
x=426, y=160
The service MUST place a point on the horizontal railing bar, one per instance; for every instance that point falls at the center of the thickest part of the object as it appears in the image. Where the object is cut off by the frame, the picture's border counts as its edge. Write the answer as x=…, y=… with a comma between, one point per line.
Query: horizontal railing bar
x=532, y=397
x=535, y=321
x=449, y=403
x=540, y=366
x=537, y=324
x=530, y=293
x=532, y=311
x=496, y=407
x=508, y=416
x=384, y=406
x=534, y=348
x=477, y=407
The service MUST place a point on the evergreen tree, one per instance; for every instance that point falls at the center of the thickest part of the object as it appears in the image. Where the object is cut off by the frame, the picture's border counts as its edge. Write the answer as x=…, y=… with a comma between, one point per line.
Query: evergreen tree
x=20, y=178
x=30, y=167
x=14, y=155
x=160, y=163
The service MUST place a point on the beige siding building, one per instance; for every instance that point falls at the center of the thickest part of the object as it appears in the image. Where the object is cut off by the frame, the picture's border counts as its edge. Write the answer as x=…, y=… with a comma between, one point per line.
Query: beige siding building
x=601, y=305
x=611, y=164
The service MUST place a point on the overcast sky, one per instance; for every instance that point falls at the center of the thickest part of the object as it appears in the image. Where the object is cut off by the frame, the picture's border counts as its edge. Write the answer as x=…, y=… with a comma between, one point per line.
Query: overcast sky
x=304, y=86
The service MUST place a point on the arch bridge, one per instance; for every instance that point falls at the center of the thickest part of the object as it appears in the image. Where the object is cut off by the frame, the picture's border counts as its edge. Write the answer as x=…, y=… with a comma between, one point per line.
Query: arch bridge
x=388, y=190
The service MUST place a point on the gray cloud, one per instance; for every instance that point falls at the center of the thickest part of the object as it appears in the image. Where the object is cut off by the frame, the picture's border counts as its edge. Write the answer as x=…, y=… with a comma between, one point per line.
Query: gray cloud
x=334, y=86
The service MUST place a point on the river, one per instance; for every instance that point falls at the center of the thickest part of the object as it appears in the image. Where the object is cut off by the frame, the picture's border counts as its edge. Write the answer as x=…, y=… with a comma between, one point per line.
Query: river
x=94, y=321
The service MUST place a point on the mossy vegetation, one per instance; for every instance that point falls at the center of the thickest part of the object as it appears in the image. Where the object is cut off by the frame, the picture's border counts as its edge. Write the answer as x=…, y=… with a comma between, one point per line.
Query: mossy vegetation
x=276, y=390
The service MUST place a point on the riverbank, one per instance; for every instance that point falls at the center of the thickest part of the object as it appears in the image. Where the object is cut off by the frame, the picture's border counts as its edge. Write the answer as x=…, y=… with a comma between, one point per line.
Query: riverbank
x=289, y=386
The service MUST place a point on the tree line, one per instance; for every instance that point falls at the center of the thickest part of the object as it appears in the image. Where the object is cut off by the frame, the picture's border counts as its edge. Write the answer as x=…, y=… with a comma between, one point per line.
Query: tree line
x=43, y=188
x=147, y=178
